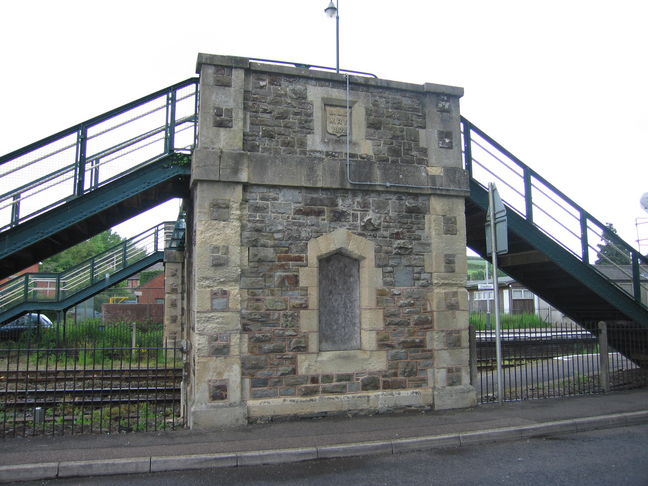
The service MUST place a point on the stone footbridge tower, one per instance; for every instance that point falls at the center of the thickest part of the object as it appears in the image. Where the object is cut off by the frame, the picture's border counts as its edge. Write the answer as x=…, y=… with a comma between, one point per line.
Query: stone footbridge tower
x=325, y=264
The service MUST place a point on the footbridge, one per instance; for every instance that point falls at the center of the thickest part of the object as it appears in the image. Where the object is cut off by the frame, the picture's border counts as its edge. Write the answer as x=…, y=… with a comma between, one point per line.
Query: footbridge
x=79, y=182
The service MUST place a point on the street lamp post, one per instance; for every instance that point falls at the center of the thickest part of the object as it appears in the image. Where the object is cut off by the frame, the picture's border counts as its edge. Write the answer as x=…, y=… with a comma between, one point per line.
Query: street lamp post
x=331, y=10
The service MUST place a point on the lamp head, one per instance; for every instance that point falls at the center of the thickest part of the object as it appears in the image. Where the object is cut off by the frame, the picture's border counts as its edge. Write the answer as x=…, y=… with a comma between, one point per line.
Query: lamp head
x=331, y=10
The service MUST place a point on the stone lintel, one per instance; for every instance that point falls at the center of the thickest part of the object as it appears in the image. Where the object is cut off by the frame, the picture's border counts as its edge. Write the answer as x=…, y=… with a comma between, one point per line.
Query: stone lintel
x=330, y=362
x=298, y=171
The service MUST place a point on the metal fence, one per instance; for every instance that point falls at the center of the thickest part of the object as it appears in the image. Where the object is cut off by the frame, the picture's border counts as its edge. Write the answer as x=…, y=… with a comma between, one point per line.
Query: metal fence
x=99, y=379
x=560, y=361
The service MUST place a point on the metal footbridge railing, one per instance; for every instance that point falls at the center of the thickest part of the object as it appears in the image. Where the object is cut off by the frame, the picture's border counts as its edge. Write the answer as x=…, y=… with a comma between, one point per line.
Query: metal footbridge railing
x=564, y=230
x=59, y=291
x=74, y=184
x=85, y=157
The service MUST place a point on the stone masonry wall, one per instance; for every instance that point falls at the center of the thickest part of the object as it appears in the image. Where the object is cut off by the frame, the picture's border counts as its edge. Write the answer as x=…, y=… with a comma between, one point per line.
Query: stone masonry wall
x=279, y=223
x=281, y=117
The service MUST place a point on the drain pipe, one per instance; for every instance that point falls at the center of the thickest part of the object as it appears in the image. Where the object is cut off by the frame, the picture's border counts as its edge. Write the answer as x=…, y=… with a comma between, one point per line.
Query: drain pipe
x=369, y=183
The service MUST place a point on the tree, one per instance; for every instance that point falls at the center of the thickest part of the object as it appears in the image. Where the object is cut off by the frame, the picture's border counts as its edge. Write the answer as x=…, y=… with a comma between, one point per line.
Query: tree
x=610, y=251
x=81, y=252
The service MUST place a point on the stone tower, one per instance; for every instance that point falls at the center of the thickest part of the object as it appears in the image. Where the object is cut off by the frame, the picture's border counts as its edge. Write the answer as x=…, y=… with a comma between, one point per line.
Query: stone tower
x=325, y=264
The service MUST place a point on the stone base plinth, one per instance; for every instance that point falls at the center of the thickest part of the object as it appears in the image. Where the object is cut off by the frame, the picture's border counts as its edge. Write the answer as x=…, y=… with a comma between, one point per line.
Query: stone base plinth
x=366, y=402
x=463, y=396
x=217, y=417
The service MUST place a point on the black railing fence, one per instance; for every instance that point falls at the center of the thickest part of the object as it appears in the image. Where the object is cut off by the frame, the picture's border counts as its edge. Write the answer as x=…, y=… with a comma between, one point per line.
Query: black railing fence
x=104, y=379
x=559, y=361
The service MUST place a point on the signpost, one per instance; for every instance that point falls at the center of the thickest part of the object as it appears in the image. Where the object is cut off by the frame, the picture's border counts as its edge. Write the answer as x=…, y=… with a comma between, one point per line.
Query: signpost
x=496, y=244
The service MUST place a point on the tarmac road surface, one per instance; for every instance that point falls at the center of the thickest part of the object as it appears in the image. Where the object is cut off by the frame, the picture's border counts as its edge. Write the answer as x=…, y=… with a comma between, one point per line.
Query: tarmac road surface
x=617, y=456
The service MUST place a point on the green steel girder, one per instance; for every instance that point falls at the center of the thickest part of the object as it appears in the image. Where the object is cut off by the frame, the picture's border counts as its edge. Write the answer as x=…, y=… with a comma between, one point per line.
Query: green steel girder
x=85, y=293
x=87, y=215
x=590, y=286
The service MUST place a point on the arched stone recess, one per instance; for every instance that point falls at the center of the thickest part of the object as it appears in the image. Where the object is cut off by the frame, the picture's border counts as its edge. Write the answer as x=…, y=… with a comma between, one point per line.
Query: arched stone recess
x=367, y=356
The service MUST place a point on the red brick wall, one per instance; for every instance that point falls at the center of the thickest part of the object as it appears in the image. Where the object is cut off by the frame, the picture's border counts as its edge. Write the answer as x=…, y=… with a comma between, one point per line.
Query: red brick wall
x=31, y=269
x=152, y=290
x=133, y=312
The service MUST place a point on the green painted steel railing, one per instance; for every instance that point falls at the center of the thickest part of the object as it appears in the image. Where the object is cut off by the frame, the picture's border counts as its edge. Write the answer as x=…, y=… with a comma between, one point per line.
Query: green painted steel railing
x=56, y=287
x=556, y=215
x=71, y=163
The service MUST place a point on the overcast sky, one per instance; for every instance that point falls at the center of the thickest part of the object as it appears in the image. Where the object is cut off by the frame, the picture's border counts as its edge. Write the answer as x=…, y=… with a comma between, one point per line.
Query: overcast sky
x=561, y=84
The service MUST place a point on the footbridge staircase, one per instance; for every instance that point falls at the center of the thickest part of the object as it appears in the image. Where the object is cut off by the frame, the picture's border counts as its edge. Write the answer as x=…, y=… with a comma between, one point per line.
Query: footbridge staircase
x=68, y=187
x=79, y=182
x=554, y=244
x=36, y=292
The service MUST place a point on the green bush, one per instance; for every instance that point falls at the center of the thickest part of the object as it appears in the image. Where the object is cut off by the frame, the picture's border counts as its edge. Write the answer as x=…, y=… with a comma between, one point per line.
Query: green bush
x=89, y=343
x=508, y=321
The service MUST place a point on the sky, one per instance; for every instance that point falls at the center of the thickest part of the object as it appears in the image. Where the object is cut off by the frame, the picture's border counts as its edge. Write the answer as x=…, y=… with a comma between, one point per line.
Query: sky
x=561, y=84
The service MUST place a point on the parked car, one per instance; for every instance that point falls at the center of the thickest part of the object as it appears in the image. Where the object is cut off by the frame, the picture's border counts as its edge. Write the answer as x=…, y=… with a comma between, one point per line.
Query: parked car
x=29, y=322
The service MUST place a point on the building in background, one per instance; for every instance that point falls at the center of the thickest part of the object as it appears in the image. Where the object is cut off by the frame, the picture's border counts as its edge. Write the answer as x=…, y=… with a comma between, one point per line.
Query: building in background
x=514, y=299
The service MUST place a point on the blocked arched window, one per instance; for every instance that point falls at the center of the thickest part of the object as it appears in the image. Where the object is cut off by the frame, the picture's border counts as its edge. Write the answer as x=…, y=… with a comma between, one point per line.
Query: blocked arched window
x=339, y=303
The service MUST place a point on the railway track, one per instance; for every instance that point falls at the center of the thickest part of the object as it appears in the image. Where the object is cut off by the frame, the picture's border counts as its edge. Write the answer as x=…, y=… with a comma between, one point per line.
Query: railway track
x=88, y=387
x=45, y=375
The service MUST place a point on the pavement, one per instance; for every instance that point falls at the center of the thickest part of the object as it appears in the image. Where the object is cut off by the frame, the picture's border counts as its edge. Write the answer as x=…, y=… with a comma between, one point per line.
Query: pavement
x=24, y=459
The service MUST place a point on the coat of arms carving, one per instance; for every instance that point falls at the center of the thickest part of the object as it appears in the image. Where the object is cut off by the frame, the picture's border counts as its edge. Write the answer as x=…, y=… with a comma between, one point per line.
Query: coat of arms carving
x=336, y=120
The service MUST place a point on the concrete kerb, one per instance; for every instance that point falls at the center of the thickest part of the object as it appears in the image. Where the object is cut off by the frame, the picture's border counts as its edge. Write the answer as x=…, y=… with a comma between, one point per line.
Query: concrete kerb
x=279, y=456
x=99, y=467
x=193, y=461
x=30, y=472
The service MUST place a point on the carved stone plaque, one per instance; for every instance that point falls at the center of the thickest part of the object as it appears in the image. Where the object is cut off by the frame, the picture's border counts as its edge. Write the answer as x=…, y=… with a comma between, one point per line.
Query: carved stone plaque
x=336, y=120
x=339, y=303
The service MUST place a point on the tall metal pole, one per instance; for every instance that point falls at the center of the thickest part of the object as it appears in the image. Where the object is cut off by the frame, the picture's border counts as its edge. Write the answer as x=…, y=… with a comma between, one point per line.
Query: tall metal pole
x=330, y=10
x=337, y=38
x=498, y=343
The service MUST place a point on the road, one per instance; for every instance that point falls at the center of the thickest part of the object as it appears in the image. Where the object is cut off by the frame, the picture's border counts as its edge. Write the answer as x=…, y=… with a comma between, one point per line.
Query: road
x=613, y=456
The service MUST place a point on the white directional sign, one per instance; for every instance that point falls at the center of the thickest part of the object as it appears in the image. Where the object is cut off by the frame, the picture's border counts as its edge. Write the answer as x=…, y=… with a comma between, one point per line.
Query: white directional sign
x=501, y=227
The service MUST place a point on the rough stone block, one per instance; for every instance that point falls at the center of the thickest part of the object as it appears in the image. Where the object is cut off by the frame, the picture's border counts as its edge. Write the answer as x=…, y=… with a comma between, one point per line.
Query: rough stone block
x=370, y=383
x=220, y=210
x=219, y=300
x=445, y=139
x=261, y=255
x=218, y=390
x=463, y=396
x=449, y=225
